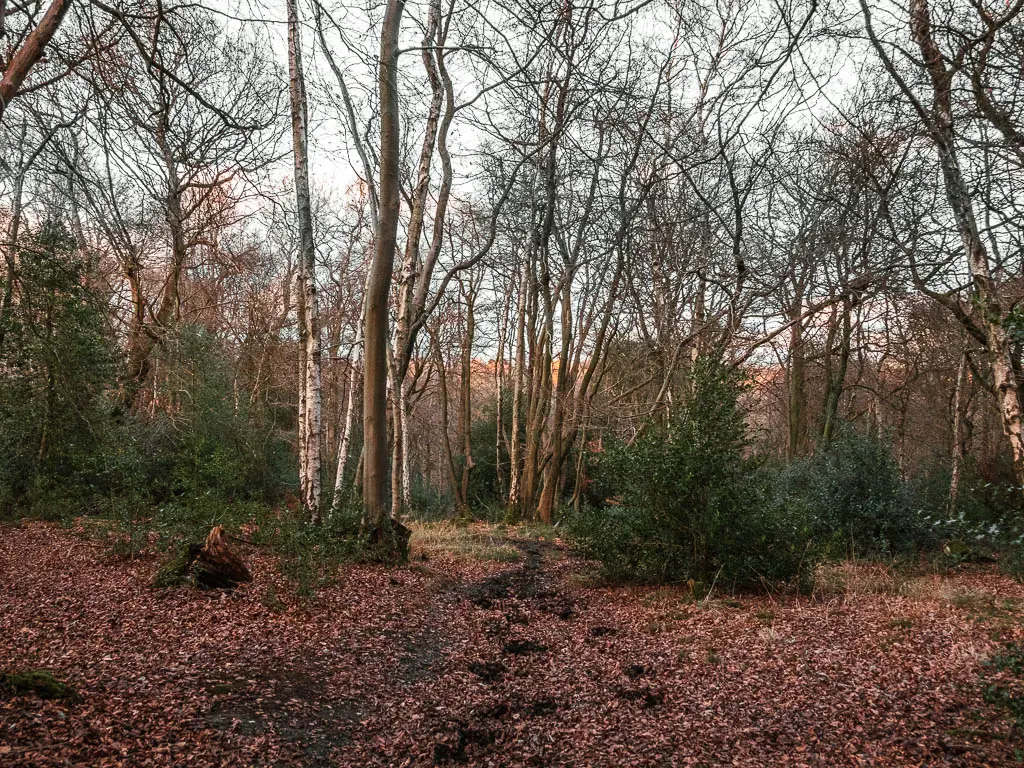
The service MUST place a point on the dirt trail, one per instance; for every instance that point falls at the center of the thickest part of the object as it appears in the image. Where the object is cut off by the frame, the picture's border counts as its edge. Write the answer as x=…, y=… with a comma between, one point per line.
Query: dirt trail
x=506, y=600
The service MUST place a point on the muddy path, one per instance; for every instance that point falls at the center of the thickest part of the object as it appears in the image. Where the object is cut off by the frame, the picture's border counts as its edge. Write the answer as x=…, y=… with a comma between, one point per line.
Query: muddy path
x=510, y=660
x=421, y=644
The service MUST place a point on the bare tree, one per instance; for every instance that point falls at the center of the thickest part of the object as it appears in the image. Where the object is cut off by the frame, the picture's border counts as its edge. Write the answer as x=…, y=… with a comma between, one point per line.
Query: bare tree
x=928, y=84
x=375, y=324
x=309, y=316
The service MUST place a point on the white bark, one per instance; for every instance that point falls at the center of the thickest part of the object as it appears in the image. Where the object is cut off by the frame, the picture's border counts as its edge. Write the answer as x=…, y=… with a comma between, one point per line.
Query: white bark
x=405, y=409
x=309, y=321
x=958, y=445
x=345, y=443
x=515, y=451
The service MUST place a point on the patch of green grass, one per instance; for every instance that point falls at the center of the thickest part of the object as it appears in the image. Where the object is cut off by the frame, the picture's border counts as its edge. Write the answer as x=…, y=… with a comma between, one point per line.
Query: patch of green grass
x=39, y=682
x=537, y=531
x=975, y=601
x=713, y=657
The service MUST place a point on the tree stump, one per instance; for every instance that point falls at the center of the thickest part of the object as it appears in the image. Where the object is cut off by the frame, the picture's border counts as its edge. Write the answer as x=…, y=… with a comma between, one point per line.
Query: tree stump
x=215, y=565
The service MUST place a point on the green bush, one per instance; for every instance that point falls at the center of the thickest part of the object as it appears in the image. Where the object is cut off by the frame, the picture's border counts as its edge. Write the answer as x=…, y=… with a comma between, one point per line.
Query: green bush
x=66, y=450
x=211, y=441
x=688, y=504
x=56, y=361
x=856, y=500
x=209, y=449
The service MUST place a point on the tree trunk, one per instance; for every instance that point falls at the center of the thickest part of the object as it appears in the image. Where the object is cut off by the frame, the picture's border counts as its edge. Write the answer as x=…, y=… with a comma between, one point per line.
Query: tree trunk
x=375, y=329
x=442, y=380
x=10, y=248
x=397, y=428
x=214, y=565
x=346, y=434
x=499, y=395
x=466, y=402
x=539, y=399
x=957, y=448
x=796, y=386
x=836, y=379
x=555, y=455
x=518, y=380
x=309, y=321
x=411, y=257
x=405, y=405
x=940, y=124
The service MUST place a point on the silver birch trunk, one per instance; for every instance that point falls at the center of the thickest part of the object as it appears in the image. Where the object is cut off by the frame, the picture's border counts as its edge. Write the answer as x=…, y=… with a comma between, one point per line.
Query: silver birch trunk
x=515, y=447
x=309, y=325
x=346, y=434
x=958, y=446
x=406, y=409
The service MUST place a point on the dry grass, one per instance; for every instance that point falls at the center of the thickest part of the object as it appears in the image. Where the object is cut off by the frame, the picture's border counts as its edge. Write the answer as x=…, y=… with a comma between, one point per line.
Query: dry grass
x=463, y=542
x=851, y=579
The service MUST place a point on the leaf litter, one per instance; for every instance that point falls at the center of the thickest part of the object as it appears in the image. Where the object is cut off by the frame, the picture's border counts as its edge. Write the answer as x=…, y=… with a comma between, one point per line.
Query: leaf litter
x=462, y=662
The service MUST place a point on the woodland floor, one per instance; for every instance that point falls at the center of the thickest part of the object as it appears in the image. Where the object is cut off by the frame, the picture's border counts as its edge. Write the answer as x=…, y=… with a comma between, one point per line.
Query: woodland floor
x=459, y=660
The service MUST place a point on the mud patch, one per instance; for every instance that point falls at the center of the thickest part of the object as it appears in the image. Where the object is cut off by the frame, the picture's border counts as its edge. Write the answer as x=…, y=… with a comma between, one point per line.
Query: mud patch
x=647, y=696
x=523, y=647
x=528, y=582
x=291, y=705
x=459, y=742
x=488, y=671
x=421, y=655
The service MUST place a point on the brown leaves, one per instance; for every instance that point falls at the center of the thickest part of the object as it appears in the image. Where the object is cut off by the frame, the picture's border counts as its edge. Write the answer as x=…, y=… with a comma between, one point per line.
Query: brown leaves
x=466, y=663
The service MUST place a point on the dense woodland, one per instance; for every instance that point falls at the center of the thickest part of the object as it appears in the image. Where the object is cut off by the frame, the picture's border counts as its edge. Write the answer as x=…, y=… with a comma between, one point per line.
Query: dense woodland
x=552, y=261
x=511, y=383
